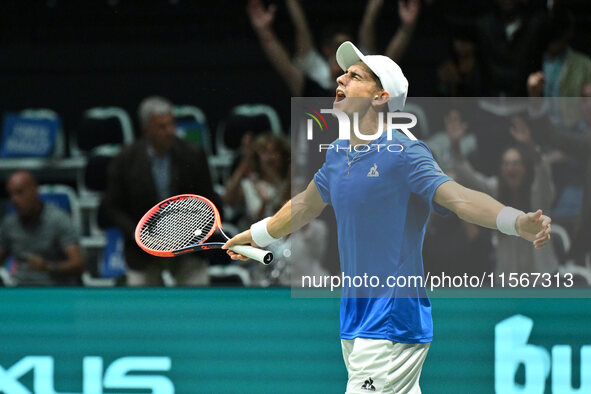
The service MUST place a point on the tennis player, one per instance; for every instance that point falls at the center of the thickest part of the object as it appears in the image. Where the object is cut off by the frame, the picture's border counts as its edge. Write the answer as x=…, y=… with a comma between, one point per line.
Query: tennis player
x=382, y=202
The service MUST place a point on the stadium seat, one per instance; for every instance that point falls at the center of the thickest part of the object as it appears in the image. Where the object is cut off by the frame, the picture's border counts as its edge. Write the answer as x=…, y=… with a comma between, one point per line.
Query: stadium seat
x=100, y=135
x=95, y=172
x=256, y=118
x=59, y=150
x=30, y=139
x=560, y=240
x=192, y=125
x=92, y=184
x=242, y=118
x=113, y=259
x=65, y=198
x=101, y=126
x=33, y=140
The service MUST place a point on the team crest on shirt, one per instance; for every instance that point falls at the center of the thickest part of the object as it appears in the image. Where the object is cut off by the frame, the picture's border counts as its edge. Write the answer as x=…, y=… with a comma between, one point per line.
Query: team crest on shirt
x=368, y=385
x=373, y=171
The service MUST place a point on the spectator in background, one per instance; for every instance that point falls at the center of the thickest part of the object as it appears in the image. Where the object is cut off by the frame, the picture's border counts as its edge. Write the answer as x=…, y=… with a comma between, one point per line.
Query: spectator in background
x=298, y=81
x=574, y=145
x=455, y=130
x=261, y=181
x=524, y=181
x=475, y=247
x=567, y=167
x=564, y=70
x=408, y=11
x=460, y=76
x=40, y=236
x=310, y=74
x=156, y=167
x=450, y=230
x=320, y=67
x=511, y=44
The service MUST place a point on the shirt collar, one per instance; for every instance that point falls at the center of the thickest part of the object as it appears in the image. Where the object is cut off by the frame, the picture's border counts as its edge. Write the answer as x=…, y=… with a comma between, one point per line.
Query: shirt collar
x=152, y=152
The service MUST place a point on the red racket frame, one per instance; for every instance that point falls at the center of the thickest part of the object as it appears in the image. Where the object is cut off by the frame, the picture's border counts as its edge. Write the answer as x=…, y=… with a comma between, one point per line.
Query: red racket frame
x=200, y=246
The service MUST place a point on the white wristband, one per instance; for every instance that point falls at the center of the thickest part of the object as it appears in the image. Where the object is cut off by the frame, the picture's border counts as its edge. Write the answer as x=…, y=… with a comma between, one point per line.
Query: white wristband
x=506, y=220
x=259, y=233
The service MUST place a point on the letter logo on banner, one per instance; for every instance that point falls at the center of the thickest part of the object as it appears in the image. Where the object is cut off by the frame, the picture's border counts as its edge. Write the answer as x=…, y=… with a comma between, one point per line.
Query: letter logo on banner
x=117, y=375
x=512, y=349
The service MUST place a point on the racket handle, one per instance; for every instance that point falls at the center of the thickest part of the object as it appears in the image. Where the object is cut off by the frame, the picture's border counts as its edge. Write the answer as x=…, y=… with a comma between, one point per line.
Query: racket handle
x=260, y=255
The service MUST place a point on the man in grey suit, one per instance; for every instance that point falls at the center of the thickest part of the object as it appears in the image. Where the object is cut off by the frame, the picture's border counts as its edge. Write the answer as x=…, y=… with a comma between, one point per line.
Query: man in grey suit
x=155, y=167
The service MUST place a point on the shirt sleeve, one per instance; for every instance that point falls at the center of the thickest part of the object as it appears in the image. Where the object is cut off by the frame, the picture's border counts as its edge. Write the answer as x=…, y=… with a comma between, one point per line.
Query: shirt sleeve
x=67, y=233
x=425, y=175
x=321, y=182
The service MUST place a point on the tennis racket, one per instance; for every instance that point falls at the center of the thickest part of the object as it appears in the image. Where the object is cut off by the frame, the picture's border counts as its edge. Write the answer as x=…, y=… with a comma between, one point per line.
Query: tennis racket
x=181, y=224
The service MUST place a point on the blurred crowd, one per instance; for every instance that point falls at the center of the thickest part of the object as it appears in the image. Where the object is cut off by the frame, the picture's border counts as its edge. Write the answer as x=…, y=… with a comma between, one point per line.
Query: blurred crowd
x=513, y=119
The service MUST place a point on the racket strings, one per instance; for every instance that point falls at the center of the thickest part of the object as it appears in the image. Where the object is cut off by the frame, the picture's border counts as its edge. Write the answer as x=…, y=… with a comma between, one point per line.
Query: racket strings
x=180, y=224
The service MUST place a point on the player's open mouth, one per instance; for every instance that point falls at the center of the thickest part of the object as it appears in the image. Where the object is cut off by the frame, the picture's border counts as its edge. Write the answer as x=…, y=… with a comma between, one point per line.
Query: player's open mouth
x=340, y=96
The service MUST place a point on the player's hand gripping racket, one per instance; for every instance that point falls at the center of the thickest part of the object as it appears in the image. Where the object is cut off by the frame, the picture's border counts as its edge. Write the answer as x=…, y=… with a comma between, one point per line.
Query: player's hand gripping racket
x=182, y=224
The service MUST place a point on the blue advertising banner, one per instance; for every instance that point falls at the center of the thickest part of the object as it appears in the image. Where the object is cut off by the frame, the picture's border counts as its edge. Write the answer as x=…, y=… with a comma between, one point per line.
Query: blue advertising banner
x=28, y=137
x=216, y=340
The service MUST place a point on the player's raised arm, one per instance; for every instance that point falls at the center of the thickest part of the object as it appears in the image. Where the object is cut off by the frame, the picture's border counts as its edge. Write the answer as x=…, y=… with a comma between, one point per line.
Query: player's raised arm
x=295, y=214
x=480, y=208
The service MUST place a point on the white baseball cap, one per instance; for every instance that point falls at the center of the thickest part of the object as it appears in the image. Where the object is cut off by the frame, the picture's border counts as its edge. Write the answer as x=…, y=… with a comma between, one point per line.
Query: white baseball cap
x=390, y=75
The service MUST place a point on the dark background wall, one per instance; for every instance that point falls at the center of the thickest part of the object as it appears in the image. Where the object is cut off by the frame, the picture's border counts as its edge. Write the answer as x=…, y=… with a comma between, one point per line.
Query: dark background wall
x=72, y=55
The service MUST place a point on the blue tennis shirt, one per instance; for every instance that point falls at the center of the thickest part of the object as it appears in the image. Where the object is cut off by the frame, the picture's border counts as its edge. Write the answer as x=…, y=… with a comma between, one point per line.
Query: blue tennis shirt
x=382, y=207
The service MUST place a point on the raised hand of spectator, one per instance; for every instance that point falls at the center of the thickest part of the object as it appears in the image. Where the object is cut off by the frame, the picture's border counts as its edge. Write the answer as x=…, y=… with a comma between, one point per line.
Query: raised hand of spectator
x=535, y=84
x=304, y=41
x=261, y=18
x=521, y=132
x=367, y=33
x=409, y=10
x=374, y=6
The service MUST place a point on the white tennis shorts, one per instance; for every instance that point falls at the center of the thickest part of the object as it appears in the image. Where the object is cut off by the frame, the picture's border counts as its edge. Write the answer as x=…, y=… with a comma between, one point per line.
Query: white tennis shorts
x=382, y=366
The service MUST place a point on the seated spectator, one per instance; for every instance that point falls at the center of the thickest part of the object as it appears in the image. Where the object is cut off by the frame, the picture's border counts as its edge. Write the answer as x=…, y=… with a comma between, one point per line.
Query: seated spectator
x=40, y=237
x=524, y=180
x=261, y=181
x=155, y=167
x=567, y=167
x=440, y=143
x=460, y=76
x=574, y=145
x=564, y=70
